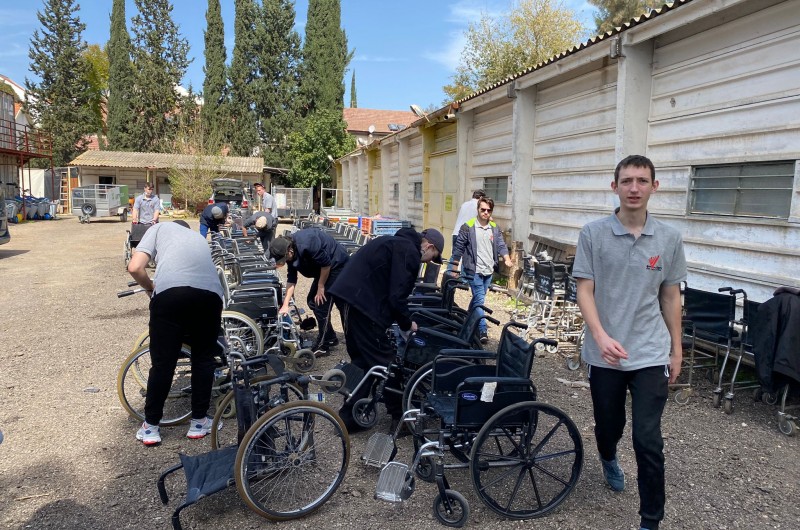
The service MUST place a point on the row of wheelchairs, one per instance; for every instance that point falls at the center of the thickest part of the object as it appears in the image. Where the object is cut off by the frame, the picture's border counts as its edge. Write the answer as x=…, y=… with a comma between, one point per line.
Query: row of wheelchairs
x=720, y=330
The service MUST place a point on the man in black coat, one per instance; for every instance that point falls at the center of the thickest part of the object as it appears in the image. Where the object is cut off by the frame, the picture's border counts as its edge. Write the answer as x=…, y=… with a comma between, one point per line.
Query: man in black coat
x=314, y=254
x=372, y=292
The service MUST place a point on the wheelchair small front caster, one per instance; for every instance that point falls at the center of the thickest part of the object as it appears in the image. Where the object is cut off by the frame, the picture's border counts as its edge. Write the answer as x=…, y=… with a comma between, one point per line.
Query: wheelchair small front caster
x=365, y=413
x=459, y=509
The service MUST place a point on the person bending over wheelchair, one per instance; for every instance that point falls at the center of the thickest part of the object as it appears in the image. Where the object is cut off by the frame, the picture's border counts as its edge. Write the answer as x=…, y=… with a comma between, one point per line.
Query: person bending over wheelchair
x=185, y=306
x=372, y=292
x=265, y=227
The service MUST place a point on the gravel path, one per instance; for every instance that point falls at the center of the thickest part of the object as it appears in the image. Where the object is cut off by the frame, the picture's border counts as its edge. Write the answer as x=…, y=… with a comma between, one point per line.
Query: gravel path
x=70, y=460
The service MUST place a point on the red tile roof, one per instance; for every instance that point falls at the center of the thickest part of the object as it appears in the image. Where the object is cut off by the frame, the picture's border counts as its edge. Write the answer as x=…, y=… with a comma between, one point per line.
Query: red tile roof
x=359, y=120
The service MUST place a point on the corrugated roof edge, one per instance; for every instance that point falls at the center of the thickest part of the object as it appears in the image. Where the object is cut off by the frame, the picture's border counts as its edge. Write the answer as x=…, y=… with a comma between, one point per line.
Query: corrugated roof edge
x=254, y=165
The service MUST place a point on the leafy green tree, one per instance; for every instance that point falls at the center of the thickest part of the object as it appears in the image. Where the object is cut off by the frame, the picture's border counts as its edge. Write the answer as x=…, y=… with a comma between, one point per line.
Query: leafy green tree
x=215, y=110
x=324, y=134
x=121, y=81
x=353, y=100
x=325, y=57
x=59, y=103
x=614, y=13
x=532, y=32
x=97, y=71
x=275, y=91
x=242, y=74
x=160, y=62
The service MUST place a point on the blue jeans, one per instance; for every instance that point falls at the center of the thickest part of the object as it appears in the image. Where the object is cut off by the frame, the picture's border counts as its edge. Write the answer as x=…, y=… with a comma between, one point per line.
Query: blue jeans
x=203, y=230
x=480, y=285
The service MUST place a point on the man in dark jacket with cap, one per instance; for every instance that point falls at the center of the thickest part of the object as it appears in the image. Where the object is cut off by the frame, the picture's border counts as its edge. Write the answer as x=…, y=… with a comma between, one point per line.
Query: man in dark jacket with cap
x=213, y=215
x=265, y=227
x=372, y=292
x=314, y=254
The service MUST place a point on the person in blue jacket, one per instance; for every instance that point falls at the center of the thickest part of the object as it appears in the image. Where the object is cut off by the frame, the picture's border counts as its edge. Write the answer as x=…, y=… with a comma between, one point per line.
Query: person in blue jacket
x=479, y=245
x=212, y=217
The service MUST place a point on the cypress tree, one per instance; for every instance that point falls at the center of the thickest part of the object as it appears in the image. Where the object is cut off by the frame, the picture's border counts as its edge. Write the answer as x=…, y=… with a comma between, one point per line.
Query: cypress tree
x=276, y=90
x=214, y=110
x=242, y=73
x=325, y=57
x=353, y=102
x=59, y=103
x=120, y=82
x=160, y=62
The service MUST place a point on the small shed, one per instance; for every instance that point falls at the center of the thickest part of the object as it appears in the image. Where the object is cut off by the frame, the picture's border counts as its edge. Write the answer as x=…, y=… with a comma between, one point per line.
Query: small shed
x=135, y=169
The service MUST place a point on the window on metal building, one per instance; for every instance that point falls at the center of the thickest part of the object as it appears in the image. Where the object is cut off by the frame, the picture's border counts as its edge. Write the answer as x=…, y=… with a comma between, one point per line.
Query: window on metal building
x=496, y=188
x=418, y=191
x=761, y=189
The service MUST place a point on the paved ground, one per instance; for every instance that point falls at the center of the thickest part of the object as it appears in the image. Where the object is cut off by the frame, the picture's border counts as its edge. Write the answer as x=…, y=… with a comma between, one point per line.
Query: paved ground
x=69, y=459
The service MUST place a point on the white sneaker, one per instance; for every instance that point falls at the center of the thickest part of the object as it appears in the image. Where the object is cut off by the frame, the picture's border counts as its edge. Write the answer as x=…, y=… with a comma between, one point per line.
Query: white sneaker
x=149, y=434
x=199, y=428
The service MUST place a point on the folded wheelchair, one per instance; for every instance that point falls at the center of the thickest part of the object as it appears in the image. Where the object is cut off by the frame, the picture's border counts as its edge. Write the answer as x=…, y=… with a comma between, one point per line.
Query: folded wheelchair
x=524, y=457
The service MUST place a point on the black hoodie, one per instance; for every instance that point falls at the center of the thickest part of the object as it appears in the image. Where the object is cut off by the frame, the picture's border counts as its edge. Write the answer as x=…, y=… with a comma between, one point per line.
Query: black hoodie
x=378, y=279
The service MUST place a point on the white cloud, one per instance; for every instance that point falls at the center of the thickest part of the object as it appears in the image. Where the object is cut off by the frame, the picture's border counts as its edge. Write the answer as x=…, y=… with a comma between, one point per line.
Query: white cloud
x=365, y=58
x=449, y=55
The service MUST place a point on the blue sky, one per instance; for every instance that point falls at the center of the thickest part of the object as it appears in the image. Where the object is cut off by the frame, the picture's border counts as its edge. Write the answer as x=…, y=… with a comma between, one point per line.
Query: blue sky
x=405, y=50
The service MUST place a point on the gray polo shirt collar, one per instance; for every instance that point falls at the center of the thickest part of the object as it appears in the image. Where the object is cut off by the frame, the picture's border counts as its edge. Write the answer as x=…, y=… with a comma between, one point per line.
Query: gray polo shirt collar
x=619, y=229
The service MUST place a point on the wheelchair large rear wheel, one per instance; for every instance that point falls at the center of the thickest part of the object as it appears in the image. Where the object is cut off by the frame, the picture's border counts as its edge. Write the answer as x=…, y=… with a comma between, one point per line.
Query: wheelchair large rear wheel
x=419, y=384
x=132, y=392
x=292, y=460
x=526, y=460
x=243, y=330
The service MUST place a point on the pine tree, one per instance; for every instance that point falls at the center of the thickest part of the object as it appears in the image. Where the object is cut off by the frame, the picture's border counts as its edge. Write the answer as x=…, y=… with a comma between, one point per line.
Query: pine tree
x=214, y=111
x=160, y=62
x=120, y=82
x=353, y=101
x=242, y=74
x=275, y=91
x=325, y=57
x=59, y=103
x=614, y=13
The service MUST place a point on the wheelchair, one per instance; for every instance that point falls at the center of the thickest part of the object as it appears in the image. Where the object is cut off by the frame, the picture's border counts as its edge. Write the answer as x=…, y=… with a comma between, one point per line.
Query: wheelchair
x=134, y=236
x=524, y=457
x=408, y=375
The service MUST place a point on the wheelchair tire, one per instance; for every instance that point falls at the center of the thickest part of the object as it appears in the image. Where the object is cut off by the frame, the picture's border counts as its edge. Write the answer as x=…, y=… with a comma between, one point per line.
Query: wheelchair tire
x=365, y=413
x=459, y=509
x=242, y=329
x=304, y=360
x=335, y=378
x=88, y=209
x=131, y=392
x=141, y=340
x=224, y=426
x=292, y=460
x=526, y=460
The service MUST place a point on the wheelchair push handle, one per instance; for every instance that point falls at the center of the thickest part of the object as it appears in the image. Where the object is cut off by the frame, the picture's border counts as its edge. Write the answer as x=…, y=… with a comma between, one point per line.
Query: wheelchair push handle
x=129, y=292
x=730, y=290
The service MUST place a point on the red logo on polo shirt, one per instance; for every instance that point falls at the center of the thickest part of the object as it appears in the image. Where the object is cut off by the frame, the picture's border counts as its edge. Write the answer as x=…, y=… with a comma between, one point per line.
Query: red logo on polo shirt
x=652, y=264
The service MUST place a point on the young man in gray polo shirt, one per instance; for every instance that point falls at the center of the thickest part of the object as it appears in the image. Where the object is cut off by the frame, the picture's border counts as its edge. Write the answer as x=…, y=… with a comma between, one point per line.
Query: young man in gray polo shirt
x=629, y=267
x=146, y=207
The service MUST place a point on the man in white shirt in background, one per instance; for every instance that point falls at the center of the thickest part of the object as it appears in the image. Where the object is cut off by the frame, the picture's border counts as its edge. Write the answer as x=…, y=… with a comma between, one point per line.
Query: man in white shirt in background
x=467, y=211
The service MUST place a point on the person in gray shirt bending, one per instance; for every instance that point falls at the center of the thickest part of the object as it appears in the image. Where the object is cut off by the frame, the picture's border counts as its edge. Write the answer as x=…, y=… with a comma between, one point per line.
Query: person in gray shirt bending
x=629, y=267
x=185, y=306
x=265, y=227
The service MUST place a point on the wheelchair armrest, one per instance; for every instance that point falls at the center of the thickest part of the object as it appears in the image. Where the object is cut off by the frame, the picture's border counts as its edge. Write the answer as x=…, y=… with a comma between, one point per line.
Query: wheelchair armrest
x=466, y=354
x=499, y=380
x=433, y=317
x=435, y=333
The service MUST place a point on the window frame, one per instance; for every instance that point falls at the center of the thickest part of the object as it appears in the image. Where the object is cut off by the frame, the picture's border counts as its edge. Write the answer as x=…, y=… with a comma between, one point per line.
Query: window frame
x=414, y=191
x=744, y=174
x=491, y=187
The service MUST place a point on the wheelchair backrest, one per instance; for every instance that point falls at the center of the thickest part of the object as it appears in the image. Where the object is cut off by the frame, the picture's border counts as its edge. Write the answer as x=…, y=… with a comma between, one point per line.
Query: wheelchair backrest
x=469, y=330
x=711, y=313
x=514, y=356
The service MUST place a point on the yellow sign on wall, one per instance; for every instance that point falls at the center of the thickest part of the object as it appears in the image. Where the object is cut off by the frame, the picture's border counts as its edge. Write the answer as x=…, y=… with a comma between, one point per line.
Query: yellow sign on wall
x=448, y=203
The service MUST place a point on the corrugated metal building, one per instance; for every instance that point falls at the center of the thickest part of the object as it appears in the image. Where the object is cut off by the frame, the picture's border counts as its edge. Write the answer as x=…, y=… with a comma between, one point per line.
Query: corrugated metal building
x=708, y=89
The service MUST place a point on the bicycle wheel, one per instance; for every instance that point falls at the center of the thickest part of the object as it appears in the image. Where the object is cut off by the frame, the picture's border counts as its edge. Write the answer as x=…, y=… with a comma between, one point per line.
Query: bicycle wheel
x=292, y=460
x=131, y=392
x=242, y=329
x=526, y=460
x=225, y=427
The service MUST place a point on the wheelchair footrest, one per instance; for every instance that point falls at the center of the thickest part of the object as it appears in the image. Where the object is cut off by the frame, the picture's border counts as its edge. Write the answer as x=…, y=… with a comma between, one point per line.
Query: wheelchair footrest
x=380, y=449
x=395, y=483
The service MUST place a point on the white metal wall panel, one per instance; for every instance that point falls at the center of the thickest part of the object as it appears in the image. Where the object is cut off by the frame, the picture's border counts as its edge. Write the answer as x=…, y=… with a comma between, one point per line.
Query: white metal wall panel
x=414, y=175
x=574, y=145
x=492, y=152
x=730, y=94
x=394, y=179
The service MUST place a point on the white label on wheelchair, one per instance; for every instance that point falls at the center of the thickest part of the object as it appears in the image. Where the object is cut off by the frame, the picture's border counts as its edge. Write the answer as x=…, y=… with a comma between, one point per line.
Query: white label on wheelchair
x=487, y=392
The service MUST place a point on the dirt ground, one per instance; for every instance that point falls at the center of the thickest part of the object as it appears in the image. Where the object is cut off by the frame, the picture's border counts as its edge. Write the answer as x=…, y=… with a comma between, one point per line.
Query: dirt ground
x=70, y=460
